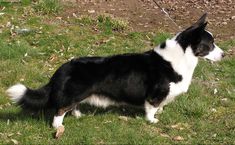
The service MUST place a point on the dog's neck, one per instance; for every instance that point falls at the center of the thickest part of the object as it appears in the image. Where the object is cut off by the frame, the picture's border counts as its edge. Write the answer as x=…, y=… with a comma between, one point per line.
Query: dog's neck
x=183, y=62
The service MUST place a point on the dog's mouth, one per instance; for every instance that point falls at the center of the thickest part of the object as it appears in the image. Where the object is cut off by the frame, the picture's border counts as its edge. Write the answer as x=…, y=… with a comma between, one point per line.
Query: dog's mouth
x=216, y=55
x=214, y=59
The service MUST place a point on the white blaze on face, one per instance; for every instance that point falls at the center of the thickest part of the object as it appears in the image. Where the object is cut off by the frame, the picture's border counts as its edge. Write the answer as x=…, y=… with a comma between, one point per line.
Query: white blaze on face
x=216, y=54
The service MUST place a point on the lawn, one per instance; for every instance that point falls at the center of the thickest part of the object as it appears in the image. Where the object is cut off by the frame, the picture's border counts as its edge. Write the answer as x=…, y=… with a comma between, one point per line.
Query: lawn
x=35, y=41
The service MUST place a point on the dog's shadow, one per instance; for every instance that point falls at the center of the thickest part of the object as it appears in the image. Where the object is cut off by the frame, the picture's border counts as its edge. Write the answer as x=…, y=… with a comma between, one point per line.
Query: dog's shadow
x=24, y=115
x=47, y=115
x=123, y=110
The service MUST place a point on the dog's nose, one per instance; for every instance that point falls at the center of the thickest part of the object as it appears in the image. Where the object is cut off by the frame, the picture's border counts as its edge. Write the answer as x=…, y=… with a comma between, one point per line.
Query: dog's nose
x=223, y=54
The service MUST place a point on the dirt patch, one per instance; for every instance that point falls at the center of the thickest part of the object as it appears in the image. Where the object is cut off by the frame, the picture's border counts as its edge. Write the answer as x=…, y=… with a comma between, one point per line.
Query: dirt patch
x=145, y=15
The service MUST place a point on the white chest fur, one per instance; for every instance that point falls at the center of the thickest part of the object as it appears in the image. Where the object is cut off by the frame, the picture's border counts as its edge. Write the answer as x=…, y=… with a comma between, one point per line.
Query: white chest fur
x=183, y=63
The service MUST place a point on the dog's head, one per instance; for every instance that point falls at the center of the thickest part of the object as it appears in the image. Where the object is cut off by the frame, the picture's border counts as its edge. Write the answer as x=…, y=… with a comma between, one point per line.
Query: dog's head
x=200, y=40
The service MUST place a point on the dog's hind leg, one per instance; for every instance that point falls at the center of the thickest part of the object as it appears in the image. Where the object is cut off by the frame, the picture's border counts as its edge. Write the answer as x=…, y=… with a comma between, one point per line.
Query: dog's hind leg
x=76, y=112
x=59, y=117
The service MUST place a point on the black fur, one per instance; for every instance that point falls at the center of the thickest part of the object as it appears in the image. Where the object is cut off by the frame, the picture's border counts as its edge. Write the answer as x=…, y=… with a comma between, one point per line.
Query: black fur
x=129, y=78
x=163, y=45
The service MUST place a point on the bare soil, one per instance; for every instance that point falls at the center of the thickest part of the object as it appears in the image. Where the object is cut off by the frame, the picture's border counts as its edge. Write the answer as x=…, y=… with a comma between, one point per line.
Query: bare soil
x=145, y=15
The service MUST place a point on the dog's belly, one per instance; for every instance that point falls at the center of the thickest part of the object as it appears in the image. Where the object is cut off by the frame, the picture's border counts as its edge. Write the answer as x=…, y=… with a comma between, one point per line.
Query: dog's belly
x=100, y=101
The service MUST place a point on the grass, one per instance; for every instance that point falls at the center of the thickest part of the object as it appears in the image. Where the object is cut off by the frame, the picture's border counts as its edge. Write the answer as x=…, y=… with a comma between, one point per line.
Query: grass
x=199, y=116
x=47, y=6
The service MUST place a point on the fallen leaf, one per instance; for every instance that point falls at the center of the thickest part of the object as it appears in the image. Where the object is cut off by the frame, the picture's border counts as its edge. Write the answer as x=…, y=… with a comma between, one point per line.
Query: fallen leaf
x=8, y=24
x=108, y=121
x=59, y=132
x=178, y=138
x=59, y=18
x=15, y=141
x=91, y=11
x=215, y=91
x=164, y=135
x=10, y=134
x=214, y=135
x=74, y=15
x=213, y=110
x=177, y=126
x=123, y=118
x=224, y=99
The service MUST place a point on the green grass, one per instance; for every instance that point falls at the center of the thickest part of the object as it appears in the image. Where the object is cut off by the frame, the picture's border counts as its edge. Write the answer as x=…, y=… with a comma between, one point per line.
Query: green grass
x=200, y=116
x=48, y=6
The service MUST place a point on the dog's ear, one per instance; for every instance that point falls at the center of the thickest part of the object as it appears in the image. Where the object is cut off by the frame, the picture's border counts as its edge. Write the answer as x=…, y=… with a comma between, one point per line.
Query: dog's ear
x=191, y=35
x=199, y=26
x=201, y=22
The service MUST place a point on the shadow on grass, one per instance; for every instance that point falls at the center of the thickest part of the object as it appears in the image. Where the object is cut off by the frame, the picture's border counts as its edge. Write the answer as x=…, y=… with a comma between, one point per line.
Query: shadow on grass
x=122, y=110
x=25, y=115
x=47, y=115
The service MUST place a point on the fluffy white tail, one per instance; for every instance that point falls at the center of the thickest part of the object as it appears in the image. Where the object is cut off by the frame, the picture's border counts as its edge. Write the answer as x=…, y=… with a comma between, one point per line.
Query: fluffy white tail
x=16, y=92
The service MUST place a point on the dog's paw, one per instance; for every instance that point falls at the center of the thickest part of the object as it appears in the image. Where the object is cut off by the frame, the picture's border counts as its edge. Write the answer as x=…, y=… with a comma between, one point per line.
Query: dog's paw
x=160, y=110
x=76, y=113
x=153, y=120
x=59, y=132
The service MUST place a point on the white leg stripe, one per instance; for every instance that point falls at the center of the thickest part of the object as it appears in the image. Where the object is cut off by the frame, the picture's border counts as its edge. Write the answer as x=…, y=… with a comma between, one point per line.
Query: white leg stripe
x=150, y=112
x=76, y=113
x=58, y=120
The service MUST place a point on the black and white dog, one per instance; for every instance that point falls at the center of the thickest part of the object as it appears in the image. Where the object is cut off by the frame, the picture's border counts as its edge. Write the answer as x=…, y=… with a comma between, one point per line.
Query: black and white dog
x=151, y=79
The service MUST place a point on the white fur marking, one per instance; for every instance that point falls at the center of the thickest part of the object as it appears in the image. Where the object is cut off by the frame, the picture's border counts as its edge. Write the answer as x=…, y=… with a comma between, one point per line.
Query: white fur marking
x=215, y=55
x=16, y=92
x=160, y=110
x=58, y=120
x=150, y=112
x=182, y=62
x=99, y=101
x=76, y=113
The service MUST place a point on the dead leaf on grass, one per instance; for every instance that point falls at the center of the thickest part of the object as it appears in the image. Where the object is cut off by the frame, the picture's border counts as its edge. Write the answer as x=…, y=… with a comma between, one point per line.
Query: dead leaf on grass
x=15, y=141
x=215, y=91
x=18, y=133
x=178, y=138
x=123, y=118
x=108, y=121
x=10, y=134
x=91, y=11
x=177, y=126
x=164, y=135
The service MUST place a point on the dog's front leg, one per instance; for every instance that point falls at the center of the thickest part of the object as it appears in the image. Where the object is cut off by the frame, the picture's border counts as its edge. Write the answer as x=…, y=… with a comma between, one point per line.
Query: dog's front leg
x=150, y=111
x=153, y=105
x=76, y=112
